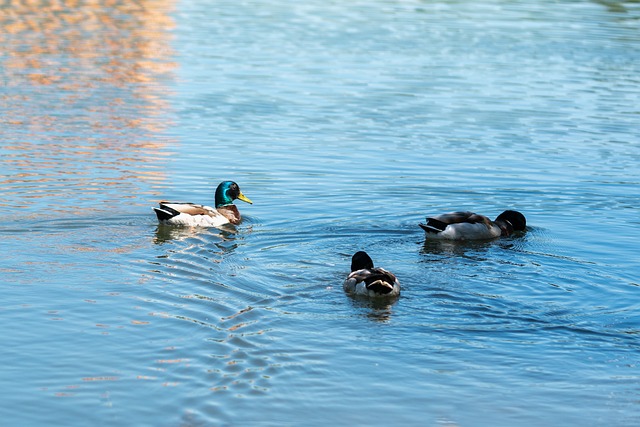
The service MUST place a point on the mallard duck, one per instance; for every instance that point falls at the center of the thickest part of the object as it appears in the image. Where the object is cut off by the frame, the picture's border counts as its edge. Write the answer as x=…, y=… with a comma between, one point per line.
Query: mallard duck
x=204, y=216
x=472, y=226
x=367, y=280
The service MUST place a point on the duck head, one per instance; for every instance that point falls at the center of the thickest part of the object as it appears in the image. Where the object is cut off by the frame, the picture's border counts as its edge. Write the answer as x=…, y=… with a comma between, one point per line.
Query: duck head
x=360, y=261
x=227, y=192
x=514, y=218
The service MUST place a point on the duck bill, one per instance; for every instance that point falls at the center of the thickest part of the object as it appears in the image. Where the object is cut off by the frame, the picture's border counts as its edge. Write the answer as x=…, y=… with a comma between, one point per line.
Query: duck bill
x=244, y=198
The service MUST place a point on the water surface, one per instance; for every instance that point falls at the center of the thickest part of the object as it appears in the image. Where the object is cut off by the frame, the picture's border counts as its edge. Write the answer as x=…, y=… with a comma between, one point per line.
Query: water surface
x=346, y=124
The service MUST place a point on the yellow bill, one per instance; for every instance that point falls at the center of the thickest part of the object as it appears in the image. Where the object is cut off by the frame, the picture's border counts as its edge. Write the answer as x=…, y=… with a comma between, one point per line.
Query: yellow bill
x=244, y=198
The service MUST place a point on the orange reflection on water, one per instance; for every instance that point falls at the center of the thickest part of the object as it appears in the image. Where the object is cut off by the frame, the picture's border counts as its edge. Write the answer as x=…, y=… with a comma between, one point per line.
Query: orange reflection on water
x=84, y=103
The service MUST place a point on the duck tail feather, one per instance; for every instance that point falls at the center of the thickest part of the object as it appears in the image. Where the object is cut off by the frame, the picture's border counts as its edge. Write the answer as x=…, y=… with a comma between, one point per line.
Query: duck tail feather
x=165, y=214
x=430, y=229
x=437, y=224
x=380, y=286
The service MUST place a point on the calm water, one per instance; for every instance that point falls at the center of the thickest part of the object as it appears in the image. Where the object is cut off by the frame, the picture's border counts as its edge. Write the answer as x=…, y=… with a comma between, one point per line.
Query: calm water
x=346, y=123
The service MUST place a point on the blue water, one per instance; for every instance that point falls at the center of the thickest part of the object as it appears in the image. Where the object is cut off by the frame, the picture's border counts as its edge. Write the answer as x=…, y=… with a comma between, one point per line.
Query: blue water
x=346, y=123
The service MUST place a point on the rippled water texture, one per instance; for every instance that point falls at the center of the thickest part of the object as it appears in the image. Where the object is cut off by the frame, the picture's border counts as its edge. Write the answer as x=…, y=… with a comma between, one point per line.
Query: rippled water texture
x=346, y=123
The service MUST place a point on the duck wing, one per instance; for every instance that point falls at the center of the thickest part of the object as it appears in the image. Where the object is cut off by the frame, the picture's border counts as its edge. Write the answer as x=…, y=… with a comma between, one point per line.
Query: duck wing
x=376, y=279
x=169, y=210
x=439, y=223
x=186, y=208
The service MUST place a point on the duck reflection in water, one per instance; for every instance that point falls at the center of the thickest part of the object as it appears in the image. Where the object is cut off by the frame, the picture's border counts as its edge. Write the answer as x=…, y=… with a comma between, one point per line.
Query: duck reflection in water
x=167, y=233
x=456, y=247
x=374, y=309
x=445, y=252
